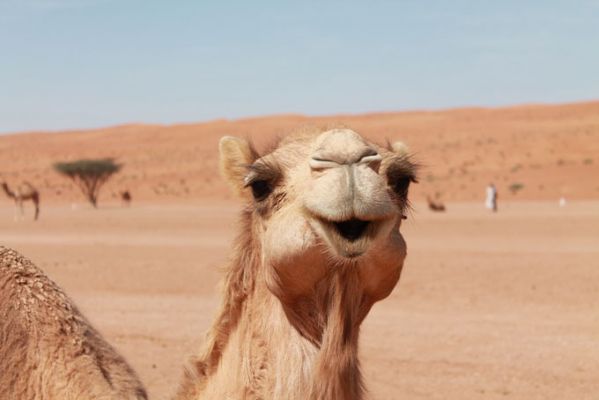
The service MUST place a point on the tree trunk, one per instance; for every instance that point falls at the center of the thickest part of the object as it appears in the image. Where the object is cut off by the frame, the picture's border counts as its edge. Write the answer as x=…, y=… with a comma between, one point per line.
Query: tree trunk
x=93, y=200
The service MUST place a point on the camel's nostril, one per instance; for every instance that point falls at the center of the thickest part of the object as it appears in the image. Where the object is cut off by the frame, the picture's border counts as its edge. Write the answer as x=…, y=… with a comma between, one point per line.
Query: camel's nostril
x=351, y=229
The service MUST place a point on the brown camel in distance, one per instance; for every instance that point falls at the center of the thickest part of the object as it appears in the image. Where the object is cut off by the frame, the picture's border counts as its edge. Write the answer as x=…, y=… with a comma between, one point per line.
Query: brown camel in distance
x=319, y=244
x=125, y=198
x=48, y=350
x=25, y=191
x=435, y=205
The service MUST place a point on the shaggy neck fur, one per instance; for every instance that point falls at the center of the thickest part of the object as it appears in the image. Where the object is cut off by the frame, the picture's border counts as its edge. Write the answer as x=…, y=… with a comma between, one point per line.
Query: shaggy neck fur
x=261, y=348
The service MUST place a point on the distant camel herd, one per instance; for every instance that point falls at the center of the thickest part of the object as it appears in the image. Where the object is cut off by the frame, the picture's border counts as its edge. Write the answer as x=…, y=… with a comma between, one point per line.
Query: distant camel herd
x=27, y=192
x=319, y=243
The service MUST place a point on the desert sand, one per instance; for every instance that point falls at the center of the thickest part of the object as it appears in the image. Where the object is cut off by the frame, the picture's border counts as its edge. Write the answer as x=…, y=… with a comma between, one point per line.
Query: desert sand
x=489, y=306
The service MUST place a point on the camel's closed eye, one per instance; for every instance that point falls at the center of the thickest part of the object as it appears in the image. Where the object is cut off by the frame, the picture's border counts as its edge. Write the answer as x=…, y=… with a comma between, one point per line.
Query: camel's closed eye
x=260, y=189
x=400, y=185
x=262, y=178
x=399, y=177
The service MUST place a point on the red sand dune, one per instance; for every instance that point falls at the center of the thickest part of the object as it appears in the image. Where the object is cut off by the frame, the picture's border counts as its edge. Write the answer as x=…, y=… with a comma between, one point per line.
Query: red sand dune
x=552, y=150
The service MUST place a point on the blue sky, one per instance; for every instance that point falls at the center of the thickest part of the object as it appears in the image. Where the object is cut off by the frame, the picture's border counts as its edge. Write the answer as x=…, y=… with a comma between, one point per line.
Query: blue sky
x=88, y=63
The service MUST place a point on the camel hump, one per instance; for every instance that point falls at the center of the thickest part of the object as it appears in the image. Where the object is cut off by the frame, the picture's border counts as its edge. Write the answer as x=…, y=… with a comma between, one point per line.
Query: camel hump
x=45, y=338
x=29, y=186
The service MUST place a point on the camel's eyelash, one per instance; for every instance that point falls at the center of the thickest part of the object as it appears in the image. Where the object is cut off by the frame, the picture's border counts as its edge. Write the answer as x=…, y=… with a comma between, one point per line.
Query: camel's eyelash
x=262, y=178
x=262, y=171
x=400, y=174
x=401, y=169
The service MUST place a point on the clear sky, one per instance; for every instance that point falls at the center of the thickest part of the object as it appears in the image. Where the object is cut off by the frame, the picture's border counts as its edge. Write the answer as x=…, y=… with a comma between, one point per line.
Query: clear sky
x=90, y=63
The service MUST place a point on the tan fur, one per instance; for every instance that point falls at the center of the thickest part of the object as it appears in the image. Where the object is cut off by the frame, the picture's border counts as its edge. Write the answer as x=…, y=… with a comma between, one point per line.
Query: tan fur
x=400, y=148
x=237, y=155
x=288, y=326
x=25, y=191
x=48, y=350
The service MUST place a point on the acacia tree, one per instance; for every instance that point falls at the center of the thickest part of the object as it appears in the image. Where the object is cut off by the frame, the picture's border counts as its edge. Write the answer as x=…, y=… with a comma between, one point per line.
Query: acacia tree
x=89, y=175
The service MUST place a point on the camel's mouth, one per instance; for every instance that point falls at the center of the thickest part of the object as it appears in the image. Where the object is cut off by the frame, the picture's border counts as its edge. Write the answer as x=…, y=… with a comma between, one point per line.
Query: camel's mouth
x=349, y=238
x=352, y=229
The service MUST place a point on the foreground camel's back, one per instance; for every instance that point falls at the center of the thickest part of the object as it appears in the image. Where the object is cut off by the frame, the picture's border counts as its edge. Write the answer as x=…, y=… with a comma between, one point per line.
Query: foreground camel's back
x=24, y=192
x=318, y=245
x=48, y=350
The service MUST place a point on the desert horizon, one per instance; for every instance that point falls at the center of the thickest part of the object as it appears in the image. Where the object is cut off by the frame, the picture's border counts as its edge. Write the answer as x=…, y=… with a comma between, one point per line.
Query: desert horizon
x=532, y=152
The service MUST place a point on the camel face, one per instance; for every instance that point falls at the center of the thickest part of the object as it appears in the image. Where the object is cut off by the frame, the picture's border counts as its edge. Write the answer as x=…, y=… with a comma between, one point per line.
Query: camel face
x=318, y=245
x=324, y=201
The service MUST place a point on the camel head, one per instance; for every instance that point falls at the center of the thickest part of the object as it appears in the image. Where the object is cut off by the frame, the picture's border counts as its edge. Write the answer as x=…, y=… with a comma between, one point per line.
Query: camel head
x=322, y=202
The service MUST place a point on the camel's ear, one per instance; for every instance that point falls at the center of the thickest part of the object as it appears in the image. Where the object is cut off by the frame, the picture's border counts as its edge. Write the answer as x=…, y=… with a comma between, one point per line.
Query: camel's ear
x=235, y=156
x=399, y=148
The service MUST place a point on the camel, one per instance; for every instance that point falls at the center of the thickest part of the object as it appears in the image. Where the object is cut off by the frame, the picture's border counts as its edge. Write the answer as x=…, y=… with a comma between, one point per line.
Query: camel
x=25, y=191
x=319, y=244
x=435, y=205
x=48, y=350
x=125, y=198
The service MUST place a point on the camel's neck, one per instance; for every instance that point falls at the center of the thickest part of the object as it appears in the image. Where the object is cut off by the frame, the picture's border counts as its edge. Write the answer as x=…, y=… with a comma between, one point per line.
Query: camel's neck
x=264, y=355
x=269, y=358
x=8, y=192
x=261, y=348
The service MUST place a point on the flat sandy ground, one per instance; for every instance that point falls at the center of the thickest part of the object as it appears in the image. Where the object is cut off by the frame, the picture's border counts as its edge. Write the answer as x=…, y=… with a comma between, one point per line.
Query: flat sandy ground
x=489, y=306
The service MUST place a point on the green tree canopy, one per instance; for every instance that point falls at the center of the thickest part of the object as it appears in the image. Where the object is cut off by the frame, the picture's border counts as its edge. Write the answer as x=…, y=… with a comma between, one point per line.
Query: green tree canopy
x=89, y=175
